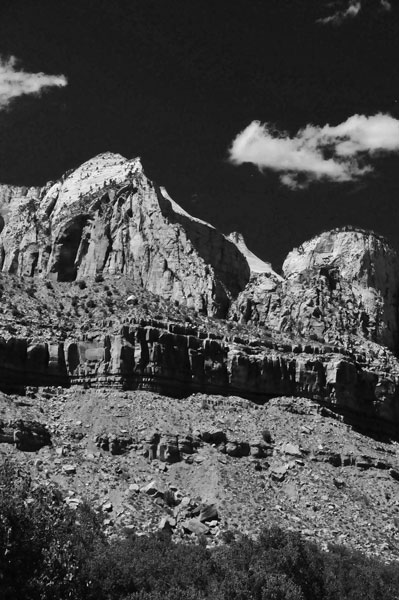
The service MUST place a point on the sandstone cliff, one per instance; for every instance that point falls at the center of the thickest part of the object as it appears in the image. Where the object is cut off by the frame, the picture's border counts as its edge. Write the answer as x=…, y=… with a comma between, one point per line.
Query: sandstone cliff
x=317, y=331
x=179, y=360
x=341, y=283
x=107, y=218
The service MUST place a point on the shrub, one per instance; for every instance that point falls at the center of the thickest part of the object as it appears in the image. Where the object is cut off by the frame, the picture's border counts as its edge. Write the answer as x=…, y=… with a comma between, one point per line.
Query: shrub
x=267, y=436
x=204, y=404
x=49, y=552
x=41, y=541
x=169, y=498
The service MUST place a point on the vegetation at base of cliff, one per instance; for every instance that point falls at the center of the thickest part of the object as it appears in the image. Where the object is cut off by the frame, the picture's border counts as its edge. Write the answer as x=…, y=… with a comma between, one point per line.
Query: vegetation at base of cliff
x=50, y=552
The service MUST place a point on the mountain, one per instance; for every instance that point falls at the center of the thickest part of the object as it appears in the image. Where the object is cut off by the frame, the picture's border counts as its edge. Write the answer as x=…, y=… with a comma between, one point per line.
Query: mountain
x=107, y=218
x=342, y=282
x=135, y=334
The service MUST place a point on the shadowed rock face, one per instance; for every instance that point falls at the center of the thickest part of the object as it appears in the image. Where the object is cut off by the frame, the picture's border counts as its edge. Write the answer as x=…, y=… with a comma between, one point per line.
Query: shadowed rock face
x=340, y=283
x=175, y=360
x=339, y=289
x=28, y=436
x=106, y=217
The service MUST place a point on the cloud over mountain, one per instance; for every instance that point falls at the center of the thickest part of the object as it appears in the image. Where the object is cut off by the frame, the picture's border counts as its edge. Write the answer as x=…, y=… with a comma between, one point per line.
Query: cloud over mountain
x=351, y=10
x=336, y=153
x=15, y=82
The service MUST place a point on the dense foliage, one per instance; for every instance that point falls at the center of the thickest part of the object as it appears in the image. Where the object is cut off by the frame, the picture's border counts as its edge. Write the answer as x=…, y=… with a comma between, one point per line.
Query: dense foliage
x=48, y=551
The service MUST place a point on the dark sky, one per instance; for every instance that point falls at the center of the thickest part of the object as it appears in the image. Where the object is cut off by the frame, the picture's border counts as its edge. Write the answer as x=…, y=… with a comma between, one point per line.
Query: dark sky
x=175, y=81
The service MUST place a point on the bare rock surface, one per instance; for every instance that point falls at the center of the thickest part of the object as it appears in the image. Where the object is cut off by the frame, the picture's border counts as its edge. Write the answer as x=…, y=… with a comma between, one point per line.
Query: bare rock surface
x=59, y=333
x=124, y=383
x=319, y=477
x=341, y=283
x=256, y=265
x=106, y=217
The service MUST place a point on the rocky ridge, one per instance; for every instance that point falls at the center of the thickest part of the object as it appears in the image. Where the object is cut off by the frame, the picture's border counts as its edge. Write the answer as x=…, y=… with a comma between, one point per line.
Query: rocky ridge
x=324, y=330
x=163, y=371
x=178, y=359
x=341, y=283
x=107, y=218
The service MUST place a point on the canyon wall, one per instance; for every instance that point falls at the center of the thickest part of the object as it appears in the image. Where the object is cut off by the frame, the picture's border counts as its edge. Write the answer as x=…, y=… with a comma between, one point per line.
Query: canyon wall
x=336, y=302
x=178, y=360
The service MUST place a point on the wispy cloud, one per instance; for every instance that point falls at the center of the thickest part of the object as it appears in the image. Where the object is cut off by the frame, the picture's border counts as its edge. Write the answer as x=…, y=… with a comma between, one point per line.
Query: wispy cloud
x=351, y=10
x=15, y=82
x=386, y=5
x=335, y=153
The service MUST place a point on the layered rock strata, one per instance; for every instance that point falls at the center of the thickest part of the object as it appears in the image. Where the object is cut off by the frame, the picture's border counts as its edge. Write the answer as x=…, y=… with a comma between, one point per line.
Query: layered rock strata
x=179, y=360
x=173, y=447
x=107, y=218
x=341, y=283
x=28, y=436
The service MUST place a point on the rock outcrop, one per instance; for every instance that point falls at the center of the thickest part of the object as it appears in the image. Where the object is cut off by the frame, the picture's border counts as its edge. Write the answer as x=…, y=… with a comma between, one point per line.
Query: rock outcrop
x=320, y=329
x=341, y=283
x=23, y=364
x=255, y=264
x=28, y=436
x=107, y=218
x=177, y=360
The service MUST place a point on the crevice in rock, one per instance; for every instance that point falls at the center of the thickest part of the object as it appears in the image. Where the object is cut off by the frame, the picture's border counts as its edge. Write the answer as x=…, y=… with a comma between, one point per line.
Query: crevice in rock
x=69, y=241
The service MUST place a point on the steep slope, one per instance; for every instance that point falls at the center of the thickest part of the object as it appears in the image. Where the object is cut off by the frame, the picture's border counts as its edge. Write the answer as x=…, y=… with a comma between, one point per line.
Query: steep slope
x=148, y=462
x=339, y=285
x=108, y=294
x=256, y=264
x=107, y=218
x=113, y=334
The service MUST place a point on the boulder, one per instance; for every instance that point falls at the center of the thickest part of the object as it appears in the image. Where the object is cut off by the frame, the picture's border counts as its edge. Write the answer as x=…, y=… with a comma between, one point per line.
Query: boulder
x=214, y=436
x=195, y=526
x=69, y=469
x=153, y=489
x=168, y=448
x=167, y=524
x=259, y=449
x=278, y=473
x=394, y=473
x=291, y=449
x=208, y=513
x=236, y=448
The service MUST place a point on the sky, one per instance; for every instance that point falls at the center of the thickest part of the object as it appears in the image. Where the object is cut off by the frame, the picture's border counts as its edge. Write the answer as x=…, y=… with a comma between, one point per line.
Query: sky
x=276, y=118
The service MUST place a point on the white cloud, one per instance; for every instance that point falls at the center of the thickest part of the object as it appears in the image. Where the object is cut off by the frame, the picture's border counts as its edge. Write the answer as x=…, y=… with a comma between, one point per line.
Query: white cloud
x=352, y=9
x=15, y=82
x=335, y=153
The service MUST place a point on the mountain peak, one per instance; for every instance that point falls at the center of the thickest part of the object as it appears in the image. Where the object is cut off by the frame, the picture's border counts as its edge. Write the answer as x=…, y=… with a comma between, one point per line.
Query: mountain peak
x=106, y=217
